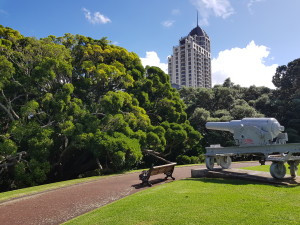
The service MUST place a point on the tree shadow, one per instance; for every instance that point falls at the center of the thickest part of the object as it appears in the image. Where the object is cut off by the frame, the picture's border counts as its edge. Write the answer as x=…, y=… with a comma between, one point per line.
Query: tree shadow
x=153, y=182
x=239, y=178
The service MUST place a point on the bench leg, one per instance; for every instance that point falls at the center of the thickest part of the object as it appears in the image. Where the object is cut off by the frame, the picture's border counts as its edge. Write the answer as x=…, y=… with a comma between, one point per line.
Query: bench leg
x=144, y=177
x=173, y=178
x=146, y=181
x=169, y=174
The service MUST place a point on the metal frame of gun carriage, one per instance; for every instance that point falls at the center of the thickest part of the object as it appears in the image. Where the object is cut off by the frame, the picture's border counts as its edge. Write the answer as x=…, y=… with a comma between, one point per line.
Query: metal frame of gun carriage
x=262, y=137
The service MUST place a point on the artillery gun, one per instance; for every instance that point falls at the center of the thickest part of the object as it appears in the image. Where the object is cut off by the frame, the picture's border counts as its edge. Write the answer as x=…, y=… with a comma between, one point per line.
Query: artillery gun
x=255, y=136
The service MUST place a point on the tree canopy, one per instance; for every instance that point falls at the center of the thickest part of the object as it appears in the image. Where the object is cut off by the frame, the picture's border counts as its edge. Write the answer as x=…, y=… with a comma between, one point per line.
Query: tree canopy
x=287, y=94
x=229, y=101
x=75, y=104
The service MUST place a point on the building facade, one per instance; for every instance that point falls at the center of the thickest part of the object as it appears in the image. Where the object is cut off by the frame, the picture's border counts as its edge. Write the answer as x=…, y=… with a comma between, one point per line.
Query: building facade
x=190, y=64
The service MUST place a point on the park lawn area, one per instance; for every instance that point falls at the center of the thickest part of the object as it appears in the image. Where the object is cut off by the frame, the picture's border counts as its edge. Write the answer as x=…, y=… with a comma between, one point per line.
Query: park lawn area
x=4, y=196
x=202, y=201
x=36, y=189
x=265, y=168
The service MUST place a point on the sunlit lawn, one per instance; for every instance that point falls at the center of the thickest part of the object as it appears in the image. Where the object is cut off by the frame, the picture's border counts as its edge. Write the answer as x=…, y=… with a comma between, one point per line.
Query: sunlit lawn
x=36, y=189
x=202, y=201
x=264, y=168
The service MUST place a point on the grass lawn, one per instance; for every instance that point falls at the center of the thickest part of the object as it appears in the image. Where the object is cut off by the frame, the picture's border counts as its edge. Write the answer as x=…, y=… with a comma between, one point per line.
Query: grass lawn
x=32, y=190
x=202, y=201
x=265, y=168
x=36, y=189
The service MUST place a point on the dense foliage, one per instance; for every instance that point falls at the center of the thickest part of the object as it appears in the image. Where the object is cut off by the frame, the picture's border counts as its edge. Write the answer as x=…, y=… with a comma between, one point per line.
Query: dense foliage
x=75, y=104
x=229, y=101
x=72, y=106
x=287, y=95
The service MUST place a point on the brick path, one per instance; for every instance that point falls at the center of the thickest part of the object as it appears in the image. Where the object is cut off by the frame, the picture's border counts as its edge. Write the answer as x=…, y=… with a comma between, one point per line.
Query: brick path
x=60, y=205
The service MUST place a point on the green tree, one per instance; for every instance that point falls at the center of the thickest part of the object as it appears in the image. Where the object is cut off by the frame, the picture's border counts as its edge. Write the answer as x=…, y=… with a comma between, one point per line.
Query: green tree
x=222, y=103
x=287, y=81
x=76, y=104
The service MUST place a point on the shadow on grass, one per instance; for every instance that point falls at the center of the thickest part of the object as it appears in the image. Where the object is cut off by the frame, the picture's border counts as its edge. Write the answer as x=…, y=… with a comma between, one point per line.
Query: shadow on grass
x=235, y=181
x=153, y=182
x=243, y=177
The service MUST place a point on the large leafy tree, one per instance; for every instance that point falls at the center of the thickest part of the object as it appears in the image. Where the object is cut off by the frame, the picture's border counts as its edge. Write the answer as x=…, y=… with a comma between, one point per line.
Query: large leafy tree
x=31, y=70
x=172, y=133
x=220, y=103
x=76, y=104
x=287, y=81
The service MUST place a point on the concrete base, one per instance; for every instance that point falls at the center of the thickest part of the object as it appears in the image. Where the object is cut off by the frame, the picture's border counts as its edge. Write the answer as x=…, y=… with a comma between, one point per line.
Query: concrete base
x=264, y=177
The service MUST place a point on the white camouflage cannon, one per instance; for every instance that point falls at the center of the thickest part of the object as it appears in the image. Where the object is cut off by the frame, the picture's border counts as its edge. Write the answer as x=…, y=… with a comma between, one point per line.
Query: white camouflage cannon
x=252, y=131
x=255, y=136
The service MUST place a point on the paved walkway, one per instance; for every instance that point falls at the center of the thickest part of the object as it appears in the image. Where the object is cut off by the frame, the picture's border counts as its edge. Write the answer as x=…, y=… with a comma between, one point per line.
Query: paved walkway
x=60, y=205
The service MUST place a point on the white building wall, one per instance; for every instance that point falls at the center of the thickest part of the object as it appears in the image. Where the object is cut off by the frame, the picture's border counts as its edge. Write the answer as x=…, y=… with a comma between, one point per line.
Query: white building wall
x=190, y=64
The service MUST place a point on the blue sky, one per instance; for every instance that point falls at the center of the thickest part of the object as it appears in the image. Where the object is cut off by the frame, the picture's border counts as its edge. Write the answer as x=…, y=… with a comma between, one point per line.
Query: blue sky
x=249, y=38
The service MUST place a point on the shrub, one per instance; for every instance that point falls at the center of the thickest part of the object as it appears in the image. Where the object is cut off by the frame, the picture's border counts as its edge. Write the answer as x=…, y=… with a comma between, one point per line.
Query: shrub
x=183, y=159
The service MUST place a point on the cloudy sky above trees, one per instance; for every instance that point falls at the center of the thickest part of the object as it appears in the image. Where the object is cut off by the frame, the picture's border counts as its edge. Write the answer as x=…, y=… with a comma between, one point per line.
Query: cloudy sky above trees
x=249, y=38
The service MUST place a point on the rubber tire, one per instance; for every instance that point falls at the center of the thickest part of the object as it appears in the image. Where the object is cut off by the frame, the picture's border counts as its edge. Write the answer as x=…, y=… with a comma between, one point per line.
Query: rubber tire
x=277, y=170
x=210, y=161
x=225, y=162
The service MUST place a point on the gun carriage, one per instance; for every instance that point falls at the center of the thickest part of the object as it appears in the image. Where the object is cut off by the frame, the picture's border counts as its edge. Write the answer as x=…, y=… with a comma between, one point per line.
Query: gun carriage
x=263, y=137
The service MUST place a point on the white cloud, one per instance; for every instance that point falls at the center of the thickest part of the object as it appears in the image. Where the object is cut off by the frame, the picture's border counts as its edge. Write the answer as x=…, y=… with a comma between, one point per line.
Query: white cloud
x=218, y=8
x=251, y=3
x=244, y=66
x=96, y=18
x=152, y=59
x=168, y=23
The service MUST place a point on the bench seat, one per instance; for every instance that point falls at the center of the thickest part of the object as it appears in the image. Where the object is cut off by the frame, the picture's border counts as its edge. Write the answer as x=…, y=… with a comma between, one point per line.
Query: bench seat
x=166, y=169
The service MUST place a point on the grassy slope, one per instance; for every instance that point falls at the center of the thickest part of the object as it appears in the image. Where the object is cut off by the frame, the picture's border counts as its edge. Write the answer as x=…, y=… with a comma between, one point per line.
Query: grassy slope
x=202, y=201
x=36, y=189
x=32, y=190
x=264, y=168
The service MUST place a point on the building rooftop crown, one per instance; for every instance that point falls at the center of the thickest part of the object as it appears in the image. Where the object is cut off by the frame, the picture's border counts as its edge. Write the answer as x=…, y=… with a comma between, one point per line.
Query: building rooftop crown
x=198, y=31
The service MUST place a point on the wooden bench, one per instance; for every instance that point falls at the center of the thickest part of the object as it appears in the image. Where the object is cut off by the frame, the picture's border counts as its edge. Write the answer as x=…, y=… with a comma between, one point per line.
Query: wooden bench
x=166, y=169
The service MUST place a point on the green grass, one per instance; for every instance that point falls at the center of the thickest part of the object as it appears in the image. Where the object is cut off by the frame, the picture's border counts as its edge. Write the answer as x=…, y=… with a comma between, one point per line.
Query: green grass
x=202, y=201
x=36, y=189
x=264, y=168
x=4, y=196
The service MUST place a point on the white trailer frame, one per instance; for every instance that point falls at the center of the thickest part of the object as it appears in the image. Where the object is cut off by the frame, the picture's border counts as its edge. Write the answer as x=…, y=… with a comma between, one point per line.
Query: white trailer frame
x=278, y=154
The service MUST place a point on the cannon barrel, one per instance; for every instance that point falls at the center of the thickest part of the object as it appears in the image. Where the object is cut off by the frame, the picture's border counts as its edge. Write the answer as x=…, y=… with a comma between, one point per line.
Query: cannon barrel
x=268, y=125
x=224, y=126
x=252, y=131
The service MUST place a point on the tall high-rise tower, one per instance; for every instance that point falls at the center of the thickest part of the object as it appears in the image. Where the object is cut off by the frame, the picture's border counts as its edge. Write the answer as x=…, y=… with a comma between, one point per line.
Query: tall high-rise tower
x=190, y=64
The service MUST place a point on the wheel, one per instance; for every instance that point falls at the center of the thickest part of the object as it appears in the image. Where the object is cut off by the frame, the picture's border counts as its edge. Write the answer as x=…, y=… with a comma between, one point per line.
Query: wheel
x=278, y=170
x=293, y=166
x=210, y=161
x=225, y=162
